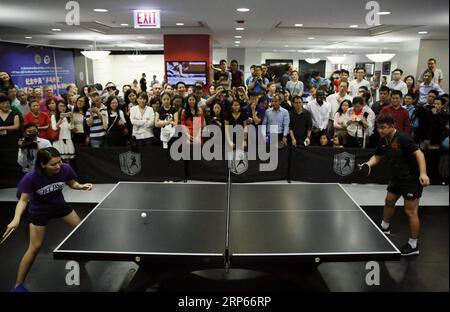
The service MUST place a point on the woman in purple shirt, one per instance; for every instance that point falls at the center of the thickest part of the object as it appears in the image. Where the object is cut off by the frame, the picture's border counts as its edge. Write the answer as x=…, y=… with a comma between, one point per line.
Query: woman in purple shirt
x=41, y=189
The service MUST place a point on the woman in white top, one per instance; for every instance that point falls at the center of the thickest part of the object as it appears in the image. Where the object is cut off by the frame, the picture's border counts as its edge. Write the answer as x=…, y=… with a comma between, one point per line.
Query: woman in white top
x=63, y=121
x=294, y=85
x=79, y=112
x=340, y=120
x=142, y=118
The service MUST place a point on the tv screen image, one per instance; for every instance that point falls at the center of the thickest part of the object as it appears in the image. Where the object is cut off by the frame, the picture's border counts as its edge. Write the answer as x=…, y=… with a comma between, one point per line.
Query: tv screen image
x=187, y=72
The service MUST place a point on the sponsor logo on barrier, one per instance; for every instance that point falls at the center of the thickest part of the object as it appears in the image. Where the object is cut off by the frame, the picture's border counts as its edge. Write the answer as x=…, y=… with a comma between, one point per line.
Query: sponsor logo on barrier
x=344, y=164
x=238, y=163
x=130, y=163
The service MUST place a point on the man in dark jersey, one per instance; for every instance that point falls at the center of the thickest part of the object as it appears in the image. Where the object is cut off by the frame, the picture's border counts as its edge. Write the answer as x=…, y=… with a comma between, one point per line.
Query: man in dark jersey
x=408, y=177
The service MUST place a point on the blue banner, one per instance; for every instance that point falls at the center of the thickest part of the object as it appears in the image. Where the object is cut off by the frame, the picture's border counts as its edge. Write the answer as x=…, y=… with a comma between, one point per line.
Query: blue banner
x=31, y=66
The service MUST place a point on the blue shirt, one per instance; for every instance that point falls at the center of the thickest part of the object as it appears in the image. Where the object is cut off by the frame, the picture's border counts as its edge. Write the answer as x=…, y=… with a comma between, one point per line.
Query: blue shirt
x=425, y=88
x=257, y=88
x=279, y=118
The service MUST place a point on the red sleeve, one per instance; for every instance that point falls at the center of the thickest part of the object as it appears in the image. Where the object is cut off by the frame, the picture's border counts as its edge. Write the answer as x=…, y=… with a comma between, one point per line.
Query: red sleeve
x=183, y=118
x=407, y=125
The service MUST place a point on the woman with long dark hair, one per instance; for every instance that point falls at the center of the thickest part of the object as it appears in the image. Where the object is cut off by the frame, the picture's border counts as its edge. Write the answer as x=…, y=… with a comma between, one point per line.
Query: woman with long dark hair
x=41, y=194
x=62, y=122
x=80, y=129
x=116, y=123
x=188, y=116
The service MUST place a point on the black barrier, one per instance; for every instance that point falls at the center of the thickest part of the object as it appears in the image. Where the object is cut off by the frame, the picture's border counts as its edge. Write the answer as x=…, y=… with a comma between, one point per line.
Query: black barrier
x=217, y=170
x=10, y=171
x=111, y=165
x=308, y=164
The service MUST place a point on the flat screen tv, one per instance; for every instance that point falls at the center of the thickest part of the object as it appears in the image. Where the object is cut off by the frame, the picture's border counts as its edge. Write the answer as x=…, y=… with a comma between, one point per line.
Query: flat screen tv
x=186, y=71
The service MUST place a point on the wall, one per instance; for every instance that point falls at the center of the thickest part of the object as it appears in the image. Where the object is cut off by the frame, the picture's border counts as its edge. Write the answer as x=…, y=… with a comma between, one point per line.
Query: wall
x=121, y=70
x=439, y=50
x=189, y=48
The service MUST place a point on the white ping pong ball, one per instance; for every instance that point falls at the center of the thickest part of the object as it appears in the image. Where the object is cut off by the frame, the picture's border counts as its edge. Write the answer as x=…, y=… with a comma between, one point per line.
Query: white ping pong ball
x=143, y=215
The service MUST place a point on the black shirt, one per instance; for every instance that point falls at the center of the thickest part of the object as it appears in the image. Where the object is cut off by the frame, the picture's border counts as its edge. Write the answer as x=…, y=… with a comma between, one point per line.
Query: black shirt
x=399, y=152
x=299, y=124
x=143, y=83
x=163, y=113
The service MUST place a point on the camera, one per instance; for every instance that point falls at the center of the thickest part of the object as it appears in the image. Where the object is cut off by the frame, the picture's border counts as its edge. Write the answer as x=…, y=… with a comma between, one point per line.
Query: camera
x=29, y=141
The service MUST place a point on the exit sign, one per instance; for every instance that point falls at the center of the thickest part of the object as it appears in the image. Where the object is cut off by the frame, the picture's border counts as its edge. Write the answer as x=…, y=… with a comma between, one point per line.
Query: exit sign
x=146, y=19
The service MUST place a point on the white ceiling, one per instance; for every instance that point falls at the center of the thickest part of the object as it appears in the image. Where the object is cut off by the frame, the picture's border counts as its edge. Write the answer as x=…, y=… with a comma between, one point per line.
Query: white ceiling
x=269, y=25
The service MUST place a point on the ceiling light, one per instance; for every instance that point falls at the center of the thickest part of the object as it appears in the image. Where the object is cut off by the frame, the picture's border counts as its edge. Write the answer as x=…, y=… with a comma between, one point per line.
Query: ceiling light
x=236, y=45
x=353, y=26
x=311, y=38
x=237, y=41
x=101, y=10
x=423, y=32
x=124, y=25
x=243, y=10
x=56, y=29
x=298, y=25
x=136, y=56
x=380, y=57
x=140, y=37
x=95, y=54
x=383, y=13
x=240, y=28
x=336, y=59
x=312, y=60
x=28, y=37
x=179, y=24
x=238, y=37
x=286, y=46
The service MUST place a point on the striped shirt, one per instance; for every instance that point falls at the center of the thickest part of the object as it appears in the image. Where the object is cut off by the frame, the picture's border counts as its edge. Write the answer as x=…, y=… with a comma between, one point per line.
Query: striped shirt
x=97, y=130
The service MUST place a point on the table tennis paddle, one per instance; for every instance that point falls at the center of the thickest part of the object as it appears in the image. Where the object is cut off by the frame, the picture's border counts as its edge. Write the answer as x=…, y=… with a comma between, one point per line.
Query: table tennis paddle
x=6, y=235
x=364, y=169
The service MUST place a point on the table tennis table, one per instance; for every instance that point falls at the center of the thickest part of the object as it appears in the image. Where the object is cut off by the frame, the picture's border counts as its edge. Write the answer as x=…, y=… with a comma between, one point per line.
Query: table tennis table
x=198, y=226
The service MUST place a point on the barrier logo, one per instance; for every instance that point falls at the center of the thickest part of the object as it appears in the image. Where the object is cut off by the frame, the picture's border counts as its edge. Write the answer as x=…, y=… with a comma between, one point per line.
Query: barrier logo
x=130, y=163
x=344, y=164
x=238, y=163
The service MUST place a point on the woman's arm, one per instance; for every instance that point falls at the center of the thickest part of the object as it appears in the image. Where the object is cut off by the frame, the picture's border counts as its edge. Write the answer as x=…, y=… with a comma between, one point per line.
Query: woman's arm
x=77, y=186
x=20, y=208
x=15, y=125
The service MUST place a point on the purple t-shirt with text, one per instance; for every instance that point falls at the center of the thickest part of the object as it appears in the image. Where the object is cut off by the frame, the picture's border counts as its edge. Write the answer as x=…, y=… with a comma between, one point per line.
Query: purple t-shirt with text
x=46, y=191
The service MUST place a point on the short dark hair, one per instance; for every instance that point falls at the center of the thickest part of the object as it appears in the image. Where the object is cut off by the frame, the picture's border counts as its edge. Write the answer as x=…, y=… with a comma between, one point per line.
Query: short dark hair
x=385, y=119
x=44, y=155
x=222, y=61
x=410, y=95
x=384, y=88
x=4, y=98
x=234, y=62
x=364, y=88
x=143, y=95
x=344, y=71
x=399, y=70
x=360, y=68
x=432, y=59
x=396, y=92
x=434, y=92
x=28, y=126
x=440, y=99
x=430, y=72
x=178, y=83
x=296, y=97
x=357, y=100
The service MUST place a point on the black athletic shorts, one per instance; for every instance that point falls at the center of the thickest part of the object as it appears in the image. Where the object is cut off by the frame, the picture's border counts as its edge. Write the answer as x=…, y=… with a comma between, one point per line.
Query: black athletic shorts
x=409, y=189
x=42, y=219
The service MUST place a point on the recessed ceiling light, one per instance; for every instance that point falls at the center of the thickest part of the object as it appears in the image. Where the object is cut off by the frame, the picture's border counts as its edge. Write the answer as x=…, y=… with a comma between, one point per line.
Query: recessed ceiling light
x=423, y=32
x=243, y=9
x=353, y=26
x=236, y=45
x=179, y=24
x=56, y=29
x=240, y=28
x=383, y=13
x=100, y=10
x=286, y=46
x=28, y=37
x=237, y=42
x=311, y=38
x=238, y=37
x=124, y=25
x=298, y=25
x=140, y=37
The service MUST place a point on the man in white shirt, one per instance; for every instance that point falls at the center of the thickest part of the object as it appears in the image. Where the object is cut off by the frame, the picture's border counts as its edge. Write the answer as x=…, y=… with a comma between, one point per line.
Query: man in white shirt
x=334, y=100
x=438, y=75
x=28, y=147
x=320, y=113
x=358, y=82
x=397, y=83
